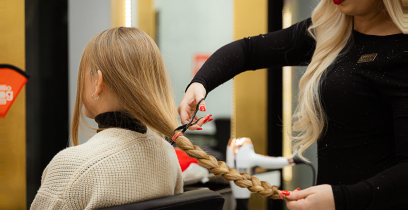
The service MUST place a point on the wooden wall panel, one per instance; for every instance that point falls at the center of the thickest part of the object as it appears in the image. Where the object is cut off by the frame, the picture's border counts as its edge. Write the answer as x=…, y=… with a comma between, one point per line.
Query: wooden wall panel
x=13, y=126
x=250, y=88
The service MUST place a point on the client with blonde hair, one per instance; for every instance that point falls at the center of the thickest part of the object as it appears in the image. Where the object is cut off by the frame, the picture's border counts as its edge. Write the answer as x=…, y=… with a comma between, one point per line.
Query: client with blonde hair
x=123, y=85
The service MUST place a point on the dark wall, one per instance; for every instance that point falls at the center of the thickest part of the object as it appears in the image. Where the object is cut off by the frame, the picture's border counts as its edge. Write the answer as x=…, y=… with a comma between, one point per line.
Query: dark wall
x=275, y=86
x=275, y=8
x=47, y=89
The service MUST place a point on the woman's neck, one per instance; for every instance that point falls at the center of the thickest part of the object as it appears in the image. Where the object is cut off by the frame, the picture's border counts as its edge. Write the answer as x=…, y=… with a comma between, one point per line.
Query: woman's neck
x=376, y=23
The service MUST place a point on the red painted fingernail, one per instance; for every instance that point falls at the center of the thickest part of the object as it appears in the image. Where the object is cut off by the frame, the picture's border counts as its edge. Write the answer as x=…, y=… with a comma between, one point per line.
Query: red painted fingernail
x=206, y=119
x=298, y=188
x=202, y=108
x=210, y=120
x=285, y=192
x=199, y=129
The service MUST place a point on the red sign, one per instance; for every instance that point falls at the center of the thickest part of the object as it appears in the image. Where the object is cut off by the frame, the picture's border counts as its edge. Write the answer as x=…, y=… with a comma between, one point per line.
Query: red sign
x=12, y=79
x=199, y=60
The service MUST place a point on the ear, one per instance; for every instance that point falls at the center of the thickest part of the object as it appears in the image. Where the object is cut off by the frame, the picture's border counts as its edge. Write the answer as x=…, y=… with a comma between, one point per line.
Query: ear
x=99, y=83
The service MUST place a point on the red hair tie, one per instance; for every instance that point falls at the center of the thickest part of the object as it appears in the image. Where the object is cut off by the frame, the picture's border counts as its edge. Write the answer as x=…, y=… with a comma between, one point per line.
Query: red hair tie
x=281, y=195
x=176, y=136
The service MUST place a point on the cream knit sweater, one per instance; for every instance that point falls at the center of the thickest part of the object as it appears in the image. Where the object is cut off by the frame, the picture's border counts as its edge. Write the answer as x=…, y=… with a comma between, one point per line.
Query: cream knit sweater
x=114, y=167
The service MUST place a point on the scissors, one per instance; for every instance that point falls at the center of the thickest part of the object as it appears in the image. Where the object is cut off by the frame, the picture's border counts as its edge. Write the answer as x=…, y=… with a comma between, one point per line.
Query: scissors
x=184, y=127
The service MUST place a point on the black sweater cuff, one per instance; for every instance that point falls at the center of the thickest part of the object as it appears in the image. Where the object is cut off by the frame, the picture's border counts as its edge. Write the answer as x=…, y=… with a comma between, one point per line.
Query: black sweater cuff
x=357, y=196
x=201, y=81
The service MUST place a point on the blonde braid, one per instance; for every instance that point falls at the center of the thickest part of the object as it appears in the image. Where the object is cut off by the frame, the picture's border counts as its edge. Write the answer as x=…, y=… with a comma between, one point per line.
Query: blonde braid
x=243, y=180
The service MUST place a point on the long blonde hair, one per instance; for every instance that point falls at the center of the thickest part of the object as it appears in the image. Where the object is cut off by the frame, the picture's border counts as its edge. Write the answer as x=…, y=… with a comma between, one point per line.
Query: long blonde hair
x=331, y=30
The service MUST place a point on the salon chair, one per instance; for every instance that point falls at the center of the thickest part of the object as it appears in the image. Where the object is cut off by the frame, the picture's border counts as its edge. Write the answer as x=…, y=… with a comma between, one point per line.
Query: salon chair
x=196, y=199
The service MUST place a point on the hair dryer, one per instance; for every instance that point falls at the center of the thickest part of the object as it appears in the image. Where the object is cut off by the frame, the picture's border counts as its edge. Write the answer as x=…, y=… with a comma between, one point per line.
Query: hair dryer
x=242, y=157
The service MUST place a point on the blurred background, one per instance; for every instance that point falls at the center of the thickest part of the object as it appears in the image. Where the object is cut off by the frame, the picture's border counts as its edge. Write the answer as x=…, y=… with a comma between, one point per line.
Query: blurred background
x=46, y=39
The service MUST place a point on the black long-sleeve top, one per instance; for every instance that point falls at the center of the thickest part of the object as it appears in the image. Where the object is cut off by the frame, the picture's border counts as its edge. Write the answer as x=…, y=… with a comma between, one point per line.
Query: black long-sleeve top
x=363, y=154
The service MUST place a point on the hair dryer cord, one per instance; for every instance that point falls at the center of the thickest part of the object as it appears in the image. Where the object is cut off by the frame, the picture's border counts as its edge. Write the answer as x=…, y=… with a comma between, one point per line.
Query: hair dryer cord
x=297, y=160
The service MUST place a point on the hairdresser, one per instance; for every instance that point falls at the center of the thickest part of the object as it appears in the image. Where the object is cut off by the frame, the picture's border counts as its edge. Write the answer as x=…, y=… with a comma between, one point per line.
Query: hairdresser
x=353, y=98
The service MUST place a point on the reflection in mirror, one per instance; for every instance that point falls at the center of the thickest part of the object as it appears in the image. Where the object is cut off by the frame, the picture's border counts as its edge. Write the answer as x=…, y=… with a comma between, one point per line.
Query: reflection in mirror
x=187, y=33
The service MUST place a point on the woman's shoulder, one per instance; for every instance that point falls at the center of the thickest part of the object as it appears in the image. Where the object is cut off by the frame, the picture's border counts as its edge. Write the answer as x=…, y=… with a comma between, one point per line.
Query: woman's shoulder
x=112, y=149
x=148, y=161
x=116, y=147
x=108, y=142
x=103, y=143
x=131, y=151
x=119, y=158
x=106, y=146
x=58, y=173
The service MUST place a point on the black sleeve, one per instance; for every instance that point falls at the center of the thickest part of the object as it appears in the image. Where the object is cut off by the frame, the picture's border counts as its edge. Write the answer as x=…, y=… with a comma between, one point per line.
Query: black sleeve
x=390, y=187
x=288, y=47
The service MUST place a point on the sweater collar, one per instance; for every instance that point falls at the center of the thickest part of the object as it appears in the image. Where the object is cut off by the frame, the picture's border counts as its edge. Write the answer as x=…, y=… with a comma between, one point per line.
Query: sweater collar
x=119, y=120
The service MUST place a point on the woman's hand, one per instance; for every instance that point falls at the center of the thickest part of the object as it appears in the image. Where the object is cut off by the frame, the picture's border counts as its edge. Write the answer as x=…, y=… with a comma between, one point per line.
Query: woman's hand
x=316, y=198
x=188, y=105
